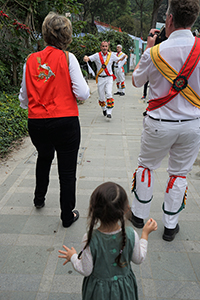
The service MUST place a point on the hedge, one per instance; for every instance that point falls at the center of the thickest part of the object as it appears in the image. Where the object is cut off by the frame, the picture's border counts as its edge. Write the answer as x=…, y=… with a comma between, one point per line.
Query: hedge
x=13, y=122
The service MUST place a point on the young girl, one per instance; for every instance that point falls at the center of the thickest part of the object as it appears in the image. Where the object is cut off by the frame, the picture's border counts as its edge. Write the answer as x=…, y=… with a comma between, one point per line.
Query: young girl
x=109, y=249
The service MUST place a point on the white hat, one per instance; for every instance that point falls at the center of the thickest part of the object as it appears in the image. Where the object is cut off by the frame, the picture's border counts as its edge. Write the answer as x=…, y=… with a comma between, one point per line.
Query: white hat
x=119, y=46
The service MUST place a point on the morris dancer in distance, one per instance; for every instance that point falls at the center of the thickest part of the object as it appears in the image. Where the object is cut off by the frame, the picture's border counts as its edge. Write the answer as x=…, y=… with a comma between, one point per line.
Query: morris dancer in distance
x=119, y=72
x=104, y=78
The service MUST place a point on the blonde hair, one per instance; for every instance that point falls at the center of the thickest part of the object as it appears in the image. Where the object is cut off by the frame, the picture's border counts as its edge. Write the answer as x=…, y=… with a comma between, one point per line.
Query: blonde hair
x=57, y=30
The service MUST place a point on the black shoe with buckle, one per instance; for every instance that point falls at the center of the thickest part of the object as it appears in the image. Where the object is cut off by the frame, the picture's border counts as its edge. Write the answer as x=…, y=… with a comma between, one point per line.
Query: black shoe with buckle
x=137, y=222
x=169, y=234
x=104, y=113
x=75, y=218
x=117, y=93
x=109, y=116
x=122, y=94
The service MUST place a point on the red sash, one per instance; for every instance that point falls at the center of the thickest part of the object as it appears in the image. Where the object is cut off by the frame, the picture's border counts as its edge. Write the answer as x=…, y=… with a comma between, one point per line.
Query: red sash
x=105, y=67
x=181, y=81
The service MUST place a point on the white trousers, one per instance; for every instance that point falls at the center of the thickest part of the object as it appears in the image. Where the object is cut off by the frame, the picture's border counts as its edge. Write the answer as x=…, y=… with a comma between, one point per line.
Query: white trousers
x=182, y=141
x=120, y=78
x=105, y=85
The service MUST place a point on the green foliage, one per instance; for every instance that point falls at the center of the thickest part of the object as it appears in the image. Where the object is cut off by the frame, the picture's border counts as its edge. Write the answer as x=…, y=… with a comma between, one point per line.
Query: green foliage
x=107, y=11
x=115, y=37
x=17, y=40
x=127, y=23
x=13, y=38
x=4, y=76
x=13, y=122
x=90, y=44
x=85, y=45
x=79, y=27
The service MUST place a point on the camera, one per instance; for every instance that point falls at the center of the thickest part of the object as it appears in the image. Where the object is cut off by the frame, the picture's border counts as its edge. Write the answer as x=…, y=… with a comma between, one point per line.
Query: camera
x=161, y=36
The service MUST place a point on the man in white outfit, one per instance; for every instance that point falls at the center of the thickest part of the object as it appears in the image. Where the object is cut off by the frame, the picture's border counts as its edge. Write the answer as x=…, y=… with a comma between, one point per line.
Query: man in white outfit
x=172, y=120
x=119, y=72
x=104, y=60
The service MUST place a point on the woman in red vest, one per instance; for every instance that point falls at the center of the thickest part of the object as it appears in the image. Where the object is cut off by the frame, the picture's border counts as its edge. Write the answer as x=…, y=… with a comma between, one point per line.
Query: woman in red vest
x=52, y=81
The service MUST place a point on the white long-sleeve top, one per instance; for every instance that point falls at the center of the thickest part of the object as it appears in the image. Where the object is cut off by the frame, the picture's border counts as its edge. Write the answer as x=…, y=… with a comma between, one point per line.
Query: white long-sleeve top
x=96, y=59
x=121, y=62
x=84, y=266
x=79, y=86
x=175, y=51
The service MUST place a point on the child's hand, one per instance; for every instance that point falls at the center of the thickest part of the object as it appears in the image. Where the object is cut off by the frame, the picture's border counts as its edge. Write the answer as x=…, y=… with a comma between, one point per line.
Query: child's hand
x=67, y=254
x=151, y=225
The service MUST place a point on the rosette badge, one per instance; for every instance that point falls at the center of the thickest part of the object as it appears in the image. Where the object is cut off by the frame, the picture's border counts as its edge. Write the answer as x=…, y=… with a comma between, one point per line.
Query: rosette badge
x=180, y=83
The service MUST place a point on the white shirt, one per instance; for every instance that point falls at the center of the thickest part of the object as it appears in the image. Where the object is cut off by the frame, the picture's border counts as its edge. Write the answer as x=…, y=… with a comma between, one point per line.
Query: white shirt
x=84, y=266
x=175, y=51
x=96, y=59
x=121, y=62
x=79, y=85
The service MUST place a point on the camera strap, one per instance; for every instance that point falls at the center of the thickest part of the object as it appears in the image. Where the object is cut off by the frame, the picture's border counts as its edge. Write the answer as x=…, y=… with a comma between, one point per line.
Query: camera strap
x=179, y=80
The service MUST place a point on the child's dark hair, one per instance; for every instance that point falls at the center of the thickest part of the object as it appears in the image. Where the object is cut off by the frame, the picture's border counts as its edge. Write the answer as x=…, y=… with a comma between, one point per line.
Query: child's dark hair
x=108, y=203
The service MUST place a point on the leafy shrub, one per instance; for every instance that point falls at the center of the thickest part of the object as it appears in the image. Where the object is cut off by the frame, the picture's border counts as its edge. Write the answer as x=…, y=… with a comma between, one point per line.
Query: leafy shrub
x=13, y=122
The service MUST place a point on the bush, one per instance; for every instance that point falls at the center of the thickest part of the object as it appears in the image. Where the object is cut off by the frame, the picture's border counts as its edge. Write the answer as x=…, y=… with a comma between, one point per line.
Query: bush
x=90, y=44
x=13, y=122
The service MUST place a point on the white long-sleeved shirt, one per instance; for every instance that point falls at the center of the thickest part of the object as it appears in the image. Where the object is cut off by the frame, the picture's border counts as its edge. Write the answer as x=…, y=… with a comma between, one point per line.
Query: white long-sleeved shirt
x=96, y=59
x=84, y=266
x=79, y=86
x=121, y=62
x=175, y=51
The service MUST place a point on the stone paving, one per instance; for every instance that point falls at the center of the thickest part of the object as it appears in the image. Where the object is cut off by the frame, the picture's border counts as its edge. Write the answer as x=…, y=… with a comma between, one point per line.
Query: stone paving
x=30, y=238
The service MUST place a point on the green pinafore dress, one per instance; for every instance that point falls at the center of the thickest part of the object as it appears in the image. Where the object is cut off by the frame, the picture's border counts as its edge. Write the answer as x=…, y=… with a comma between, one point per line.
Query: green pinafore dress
x=108, y=281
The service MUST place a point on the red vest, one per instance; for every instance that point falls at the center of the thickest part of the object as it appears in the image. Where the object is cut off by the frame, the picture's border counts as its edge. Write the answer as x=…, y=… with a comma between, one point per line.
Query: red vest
x=49, y=86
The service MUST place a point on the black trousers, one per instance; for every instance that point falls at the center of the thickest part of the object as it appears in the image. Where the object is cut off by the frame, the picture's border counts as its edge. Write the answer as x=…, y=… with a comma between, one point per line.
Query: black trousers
x=63, y=136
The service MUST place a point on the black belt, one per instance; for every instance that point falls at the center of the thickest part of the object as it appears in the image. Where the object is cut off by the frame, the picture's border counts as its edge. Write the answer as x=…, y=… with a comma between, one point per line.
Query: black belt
x=116, y=66
x=164, y=120
x=103, y=76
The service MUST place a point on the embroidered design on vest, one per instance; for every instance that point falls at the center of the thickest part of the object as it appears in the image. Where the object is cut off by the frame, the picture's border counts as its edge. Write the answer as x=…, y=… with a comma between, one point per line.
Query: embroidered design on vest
x=46, y=71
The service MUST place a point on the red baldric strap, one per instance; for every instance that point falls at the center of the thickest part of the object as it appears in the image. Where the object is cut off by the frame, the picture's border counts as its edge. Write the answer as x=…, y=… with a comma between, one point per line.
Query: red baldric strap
x=183, y=76
x=106, y=70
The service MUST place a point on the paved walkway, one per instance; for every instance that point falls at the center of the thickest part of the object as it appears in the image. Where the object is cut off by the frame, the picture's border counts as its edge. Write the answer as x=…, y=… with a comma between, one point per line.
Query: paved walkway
x=30, y=238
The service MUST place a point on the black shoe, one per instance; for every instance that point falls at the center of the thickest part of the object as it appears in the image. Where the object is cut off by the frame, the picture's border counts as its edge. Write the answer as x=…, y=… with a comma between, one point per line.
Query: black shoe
x=117, y=93
x=122, y=94
x=169, y=234
x=75, y=218
x=109, y=116
x=137, y=222
x=104, y=113
x=38, y=206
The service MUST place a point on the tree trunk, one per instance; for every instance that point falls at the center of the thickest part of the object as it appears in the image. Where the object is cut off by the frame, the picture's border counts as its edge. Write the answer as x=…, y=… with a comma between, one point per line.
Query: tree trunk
x=156, y=5
x=141, y=23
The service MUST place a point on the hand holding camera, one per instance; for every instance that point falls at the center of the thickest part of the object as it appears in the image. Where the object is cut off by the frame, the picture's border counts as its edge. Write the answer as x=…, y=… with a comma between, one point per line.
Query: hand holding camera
x=152, y=37
x=156, y=37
